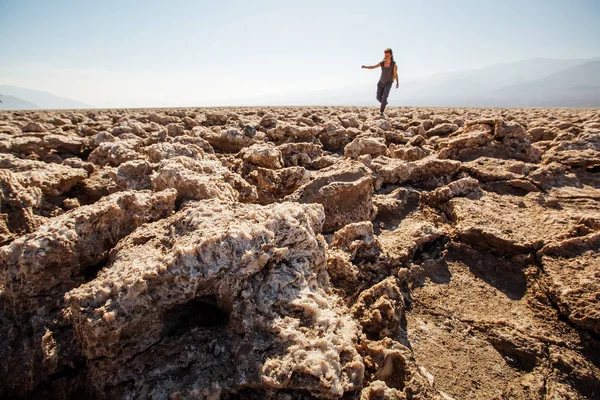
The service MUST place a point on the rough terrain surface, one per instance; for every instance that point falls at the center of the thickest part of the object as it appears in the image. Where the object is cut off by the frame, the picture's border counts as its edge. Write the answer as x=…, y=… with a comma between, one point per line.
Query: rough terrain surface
x=300, y=253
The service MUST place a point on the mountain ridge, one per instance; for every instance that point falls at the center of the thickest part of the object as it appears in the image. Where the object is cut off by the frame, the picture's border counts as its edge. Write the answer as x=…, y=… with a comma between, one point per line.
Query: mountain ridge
x=44, y=100
x=467, y=88
x=15, y=103
x=535, y=82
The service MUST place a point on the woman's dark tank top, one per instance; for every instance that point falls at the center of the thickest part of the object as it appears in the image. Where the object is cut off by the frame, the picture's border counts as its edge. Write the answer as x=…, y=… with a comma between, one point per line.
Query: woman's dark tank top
x=387, y=73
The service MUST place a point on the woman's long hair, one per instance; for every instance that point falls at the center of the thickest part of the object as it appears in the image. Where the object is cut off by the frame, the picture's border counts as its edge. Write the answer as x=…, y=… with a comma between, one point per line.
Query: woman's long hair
x=392, y=63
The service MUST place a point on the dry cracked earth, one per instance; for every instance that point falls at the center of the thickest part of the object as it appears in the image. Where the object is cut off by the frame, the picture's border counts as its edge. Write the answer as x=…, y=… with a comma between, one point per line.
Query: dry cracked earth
x=299, y=253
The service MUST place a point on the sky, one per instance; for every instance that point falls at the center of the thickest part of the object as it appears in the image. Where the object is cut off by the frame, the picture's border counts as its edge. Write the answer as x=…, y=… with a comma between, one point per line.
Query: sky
x=194, y=53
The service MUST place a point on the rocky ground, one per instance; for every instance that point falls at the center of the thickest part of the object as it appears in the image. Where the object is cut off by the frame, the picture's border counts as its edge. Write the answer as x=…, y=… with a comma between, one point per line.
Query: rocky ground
x=296, y=253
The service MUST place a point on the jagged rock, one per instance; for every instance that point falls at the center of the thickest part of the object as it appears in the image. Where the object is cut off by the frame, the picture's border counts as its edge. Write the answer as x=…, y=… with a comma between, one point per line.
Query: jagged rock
x=350, y=121
x=385, y=125
x=354, y=132
x=577, y=368
x=287, y=134
x=541, y=134
x=394, y=205
x=7, y=128
x=175, y=130
x=121, y=129
x=268, y=120
x=416, y=131
x=512, y=186
x=456, y=146
x=52, y=179
x=504, y=130
x=25, y=144
x=559, y=182
x=100, y=183
x=101, y=137
x=115, y=153
x=502, y=176
x=190, y=122
x=353, y=245
x=513, y=224
x=60, y=121
x=427, y=124
x=5, y=143
x=129, y=128
x=365, y=145
x=35, y=349
x=196, y=141
x=71, y=144
x=164, y=151
x=6, y=236
x=486, y=169
x=552, y=175
x=393, y=170
x=411, y=235
x=461, y=187
x=334, y=139
x=71, y=204
x=480, y=123
x=526, y=351
x=272, y=185
x=441, y=129
x=378, y=390
x=229, y=141
x=380, y=309
x=343, y=274
x=266, y=276
x=408, y=153
x=300, y=154
x=33, y=127
x=393, y=372
x=132, y=175
x=417, y=140
x=265, y=155
x=573, y=268
x=439, y=120
x=41, y=265
x=358, y=240
x=325, y=161
x=581, y=151
x=17, y=204
x=199, y=179
x=461, y=251
x=162, y=119
x=507, y=141
x=305, y=121
x=366, y=160
x=344, y=189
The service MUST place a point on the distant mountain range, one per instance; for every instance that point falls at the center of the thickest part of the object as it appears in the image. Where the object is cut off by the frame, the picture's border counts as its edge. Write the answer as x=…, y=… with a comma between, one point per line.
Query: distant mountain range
x=536, y=82
x=577, y=86
x=16, y=98
x=14, y=103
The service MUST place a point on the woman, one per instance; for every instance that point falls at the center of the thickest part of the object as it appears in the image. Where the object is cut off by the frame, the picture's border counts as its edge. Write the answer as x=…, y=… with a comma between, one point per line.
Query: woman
x=389, y=72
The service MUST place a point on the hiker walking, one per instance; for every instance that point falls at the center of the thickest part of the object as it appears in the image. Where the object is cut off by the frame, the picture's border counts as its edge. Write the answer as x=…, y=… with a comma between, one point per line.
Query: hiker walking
x=389, y=72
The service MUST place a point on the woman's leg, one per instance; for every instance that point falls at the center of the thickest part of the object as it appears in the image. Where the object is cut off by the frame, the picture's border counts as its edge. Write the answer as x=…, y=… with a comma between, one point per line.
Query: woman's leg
x=385, y=93
x=379, y=91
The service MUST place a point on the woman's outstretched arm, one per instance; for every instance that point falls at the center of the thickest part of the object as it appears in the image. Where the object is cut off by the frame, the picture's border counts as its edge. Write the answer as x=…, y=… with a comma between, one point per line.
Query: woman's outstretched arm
x=372, y=66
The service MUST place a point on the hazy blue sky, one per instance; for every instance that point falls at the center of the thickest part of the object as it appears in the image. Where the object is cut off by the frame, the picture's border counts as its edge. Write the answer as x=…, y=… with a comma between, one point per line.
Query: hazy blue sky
x=189, y=52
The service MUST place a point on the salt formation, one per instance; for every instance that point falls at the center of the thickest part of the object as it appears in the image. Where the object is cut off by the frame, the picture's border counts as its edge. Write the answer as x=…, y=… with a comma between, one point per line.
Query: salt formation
x=300, y=253
x=263, y=267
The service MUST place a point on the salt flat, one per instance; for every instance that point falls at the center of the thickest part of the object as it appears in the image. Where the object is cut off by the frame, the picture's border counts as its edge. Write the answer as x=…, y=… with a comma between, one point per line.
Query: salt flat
x=300, y=252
